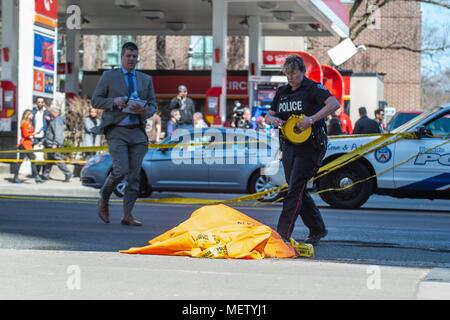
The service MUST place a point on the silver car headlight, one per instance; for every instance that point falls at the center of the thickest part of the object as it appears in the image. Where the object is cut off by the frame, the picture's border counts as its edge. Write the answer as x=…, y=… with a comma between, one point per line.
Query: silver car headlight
x=95, y=160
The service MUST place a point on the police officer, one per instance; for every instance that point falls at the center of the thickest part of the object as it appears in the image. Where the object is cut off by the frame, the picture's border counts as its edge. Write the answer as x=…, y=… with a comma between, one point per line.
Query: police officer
x=301, y=96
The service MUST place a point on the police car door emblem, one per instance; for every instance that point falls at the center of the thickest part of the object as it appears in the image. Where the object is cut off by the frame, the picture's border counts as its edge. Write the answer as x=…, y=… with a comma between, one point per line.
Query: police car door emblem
x=383, y=155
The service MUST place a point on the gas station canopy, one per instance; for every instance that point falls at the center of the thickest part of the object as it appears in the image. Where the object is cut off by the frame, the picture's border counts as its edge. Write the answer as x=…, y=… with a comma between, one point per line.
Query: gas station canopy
x=194, y=17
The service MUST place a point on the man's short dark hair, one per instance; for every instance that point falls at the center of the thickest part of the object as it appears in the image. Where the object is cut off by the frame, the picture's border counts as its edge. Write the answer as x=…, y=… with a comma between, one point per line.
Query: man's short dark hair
x=362, y=111
x=129, y=46
x=378, y=111
x=37, y=98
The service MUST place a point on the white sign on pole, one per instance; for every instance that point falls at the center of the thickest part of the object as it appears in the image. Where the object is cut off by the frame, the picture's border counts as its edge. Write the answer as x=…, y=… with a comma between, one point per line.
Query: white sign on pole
x=343, y=51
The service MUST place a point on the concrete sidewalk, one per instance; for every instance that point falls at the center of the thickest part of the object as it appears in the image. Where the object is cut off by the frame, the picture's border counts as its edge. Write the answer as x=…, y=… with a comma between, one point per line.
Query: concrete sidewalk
x=26, y=274
x=53, y=187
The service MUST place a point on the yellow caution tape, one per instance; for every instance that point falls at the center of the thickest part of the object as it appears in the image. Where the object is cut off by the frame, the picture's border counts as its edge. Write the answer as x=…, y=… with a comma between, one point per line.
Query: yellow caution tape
x=363, y=150
x=43, y=161
x=305, y=250
x=382, y=172
x=332, y=166
x=150, y=146
x=208, y=245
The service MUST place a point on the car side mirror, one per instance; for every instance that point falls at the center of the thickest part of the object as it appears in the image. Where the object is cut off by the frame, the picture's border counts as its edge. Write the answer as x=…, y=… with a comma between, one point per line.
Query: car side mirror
x=422, y=132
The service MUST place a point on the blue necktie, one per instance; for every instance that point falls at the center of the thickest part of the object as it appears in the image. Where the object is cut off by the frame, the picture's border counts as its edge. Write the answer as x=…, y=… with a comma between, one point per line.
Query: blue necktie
x=133, y=117
x=130, y=84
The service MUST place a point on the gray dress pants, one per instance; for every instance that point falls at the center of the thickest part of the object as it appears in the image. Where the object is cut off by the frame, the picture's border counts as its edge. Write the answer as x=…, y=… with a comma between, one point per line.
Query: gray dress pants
x=127, y=148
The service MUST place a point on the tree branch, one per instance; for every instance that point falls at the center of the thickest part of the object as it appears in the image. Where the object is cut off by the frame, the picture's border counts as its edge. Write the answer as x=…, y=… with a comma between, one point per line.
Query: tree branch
x=361, y=23
x=428, y=51
x=355, y=6
x=440, y=3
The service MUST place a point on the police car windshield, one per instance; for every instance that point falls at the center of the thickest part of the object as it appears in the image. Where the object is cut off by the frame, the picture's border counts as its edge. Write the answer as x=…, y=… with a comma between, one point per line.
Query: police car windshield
x=413, y=121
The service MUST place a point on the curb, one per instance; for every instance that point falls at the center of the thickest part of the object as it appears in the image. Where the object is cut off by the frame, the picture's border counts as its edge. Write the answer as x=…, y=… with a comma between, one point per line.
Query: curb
x=436, y=285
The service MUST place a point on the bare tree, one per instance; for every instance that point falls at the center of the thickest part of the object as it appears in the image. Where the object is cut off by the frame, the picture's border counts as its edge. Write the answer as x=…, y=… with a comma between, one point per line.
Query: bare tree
x=363, y=14
x=436, y=90
x=236, y=52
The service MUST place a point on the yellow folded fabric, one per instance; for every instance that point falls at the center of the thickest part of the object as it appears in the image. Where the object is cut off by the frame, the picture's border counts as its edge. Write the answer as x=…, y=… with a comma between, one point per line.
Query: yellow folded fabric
x=219, y=231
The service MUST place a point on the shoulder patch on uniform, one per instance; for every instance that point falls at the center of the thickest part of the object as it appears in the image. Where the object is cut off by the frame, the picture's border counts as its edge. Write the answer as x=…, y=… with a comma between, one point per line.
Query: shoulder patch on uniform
x=320, y=86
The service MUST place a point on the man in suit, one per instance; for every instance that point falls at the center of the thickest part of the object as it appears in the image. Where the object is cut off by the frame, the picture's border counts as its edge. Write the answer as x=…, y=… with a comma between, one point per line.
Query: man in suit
x=124, y=131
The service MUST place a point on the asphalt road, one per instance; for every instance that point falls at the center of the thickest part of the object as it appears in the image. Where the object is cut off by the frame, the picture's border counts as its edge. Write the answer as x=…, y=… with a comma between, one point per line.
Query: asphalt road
x=408, y=233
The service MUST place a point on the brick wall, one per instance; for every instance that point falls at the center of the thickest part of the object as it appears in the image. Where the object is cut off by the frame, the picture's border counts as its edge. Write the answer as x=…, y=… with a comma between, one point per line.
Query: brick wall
x=147, y=48
x=177, y=48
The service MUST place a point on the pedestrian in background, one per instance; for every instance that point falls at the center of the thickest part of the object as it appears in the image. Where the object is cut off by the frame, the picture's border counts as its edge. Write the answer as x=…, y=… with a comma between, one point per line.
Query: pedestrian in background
x=198, y=121
x=26, y=143
x=41, y=119
x=185, y=105
x=346, y=122
x=153, y=128
x=364, y=125
x=54, y=138
x=379, y=117
x=172, y=125
x=91, y=138
x=334, y=126
x=245, y=122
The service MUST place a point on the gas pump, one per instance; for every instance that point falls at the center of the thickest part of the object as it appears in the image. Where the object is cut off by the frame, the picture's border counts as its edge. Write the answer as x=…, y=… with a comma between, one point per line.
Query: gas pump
x=212, y=106
x=7, y=104
x=262, y=92
x=334, y=82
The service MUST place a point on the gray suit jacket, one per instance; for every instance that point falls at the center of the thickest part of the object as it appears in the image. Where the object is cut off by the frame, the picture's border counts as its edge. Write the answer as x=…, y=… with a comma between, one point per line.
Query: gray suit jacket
x=112, y=85
x=54, y=136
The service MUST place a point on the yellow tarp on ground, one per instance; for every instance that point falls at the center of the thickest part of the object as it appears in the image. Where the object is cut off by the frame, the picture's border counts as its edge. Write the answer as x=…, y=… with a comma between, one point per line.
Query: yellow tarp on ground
x=219, y=231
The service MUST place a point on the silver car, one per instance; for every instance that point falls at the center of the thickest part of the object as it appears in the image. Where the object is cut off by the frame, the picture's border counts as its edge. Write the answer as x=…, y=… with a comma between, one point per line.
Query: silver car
x=197, y=166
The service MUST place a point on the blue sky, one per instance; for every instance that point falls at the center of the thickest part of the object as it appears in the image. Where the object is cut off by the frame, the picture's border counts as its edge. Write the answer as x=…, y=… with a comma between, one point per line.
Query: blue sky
x=438, y=18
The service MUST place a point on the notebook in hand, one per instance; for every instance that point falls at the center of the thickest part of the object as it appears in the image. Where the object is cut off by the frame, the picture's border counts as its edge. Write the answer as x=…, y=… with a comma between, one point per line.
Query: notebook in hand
x=131, y=102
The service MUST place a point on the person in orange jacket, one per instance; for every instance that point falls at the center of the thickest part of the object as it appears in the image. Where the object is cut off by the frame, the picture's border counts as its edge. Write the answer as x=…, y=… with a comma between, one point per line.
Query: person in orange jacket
x=26, y=143
x=346, y=122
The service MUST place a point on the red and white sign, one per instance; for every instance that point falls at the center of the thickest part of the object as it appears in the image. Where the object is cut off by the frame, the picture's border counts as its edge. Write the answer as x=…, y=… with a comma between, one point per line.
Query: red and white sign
x=313, y=67
x=47, y=8
x=39, y=79
x=276, y=57
x=197, y=84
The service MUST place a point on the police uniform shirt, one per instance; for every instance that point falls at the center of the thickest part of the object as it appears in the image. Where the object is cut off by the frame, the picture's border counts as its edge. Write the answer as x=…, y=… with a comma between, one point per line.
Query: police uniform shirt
x=308, y=99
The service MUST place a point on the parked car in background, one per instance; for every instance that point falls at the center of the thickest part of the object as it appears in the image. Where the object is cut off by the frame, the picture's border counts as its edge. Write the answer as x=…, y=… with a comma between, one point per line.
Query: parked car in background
x=400, y=118
x=197, y=167
x=409, y=168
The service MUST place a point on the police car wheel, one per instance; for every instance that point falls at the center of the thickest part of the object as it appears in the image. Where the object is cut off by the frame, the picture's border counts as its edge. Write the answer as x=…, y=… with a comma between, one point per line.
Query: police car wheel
x=353, y=197
x=259, y=183
x=144, y=189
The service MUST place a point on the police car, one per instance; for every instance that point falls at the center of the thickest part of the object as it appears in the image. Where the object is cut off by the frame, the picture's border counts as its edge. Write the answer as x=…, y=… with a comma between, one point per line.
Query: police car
x=416, y=167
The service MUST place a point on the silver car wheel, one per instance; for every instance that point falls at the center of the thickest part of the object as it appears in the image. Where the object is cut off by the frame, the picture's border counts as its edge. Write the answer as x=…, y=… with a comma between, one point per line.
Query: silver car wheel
x=121, y=187
x=263, y=183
